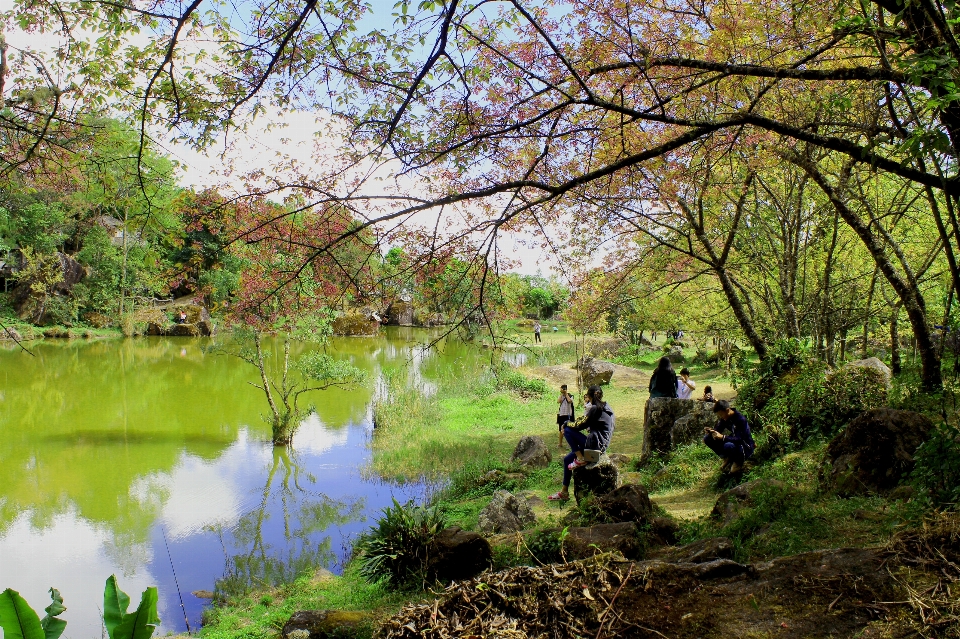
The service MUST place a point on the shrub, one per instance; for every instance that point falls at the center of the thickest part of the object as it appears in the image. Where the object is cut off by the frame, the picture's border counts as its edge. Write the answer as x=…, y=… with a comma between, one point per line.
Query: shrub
x=796, y=397
x=936, y=473
x=546, y=546
x=396, y=549
x=512, y=380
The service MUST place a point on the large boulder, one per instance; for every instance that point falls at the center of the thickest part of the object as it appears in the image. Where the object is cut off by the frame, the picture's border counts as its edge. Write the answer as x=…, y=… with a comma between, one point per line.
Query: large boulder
x=595, y=479
x=400, y=313
x=184, y=330
x=354, y=323
x=156, y=329
x=629, y=502
x=595, y=371
x=458, y=554
x=623, y=537
x=731, y=503
x=324, y=624
x=532, y=452
x=10, y=333
x=874, y=452
x=882, y=369
x=675, y=355
x=669, y=422
x=505, y=513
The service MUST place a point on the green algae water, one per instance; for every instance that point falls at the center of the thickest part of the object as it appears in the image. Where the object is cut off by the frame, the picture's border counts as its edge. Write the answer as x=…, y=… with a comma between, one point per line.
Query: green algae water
x=149, y=459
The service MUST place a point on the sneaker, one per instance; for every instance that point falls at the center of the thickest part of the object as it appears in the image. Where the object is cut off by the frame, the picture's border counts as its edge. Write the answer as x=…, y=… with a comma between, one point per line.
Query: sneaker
x=725, y=465
x=559, y=496
x=736, y=468
x=576, y=463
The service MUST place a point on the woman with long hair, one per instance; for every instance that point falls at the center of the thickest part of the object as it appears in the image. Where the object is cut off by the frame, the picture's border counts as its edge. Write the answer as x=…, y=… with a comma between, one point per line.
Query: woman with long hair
x=599, y=423
x=663, y=382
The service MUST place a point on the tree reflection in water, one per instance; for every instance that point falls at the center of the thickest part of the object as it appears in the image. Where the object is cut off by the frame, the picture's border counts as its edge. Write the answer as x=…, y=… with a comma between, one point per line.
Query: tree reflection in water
x=304, y=511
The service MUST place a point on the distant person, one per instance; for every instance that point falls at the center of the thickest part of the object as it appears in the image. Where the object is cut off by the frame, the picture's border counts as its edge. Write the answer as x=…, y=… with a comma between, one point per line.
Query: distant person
x=565, y=412
x=536, y=332
x=707, y=394
x=599, y=421
x=736, y=447
x=685, y=385
x=663, y=382
x=182, y=317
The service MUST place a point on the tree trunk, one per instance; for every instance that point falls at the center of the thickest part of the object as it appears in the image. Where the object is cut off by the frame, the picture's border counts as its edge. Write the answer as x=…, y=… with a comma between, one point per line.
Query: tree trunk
x=909, y=296
x=895, y=365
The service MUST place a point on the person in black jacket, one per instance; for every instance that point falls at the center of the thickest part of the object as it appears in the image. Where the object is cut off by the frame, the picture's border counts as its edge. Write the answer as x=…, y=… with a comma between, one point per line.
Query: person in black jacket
x=600, y=423
x=735, y=447
x=663, y=382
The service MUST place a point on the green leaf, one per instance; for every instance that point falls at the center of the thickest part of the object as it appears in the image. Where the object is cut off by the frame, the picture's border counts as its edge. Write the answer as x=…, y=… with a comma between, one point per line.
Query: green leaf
x=141, y=623
x=17, y=618
x=53, y=627
x=115, y=604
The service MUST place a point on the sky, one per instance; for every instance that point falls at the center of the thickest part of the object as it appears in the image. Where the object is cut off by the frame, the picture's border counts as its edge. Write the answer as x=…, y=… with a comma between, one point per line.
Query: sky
x=275, y=136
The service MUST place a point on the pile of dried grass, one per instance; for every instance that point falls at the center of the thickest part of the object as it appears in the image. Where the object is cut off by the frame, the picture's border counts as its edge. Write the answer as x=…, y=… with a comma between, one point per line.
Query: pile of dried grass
x=931, y=584
x=553, y=601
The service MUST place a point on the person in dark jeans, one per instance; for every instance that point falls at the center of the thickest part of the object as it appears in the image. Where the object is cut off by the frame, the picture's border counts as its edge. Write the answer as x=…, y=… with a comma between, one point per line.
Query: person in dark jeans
x=600, y=423
x=736, y=447
x=663, y=382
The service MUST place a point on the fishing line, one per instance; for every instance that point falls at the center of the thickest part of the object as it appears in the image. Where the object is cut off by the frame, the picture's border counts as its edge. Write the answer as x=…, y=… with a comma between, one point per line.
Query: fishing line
x=175, y=582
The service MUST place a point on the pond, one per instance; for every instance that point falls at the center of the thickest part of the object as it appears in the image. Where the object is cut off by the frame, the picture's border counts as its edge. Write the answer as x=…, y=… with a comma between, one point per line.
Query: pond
x=149, y=459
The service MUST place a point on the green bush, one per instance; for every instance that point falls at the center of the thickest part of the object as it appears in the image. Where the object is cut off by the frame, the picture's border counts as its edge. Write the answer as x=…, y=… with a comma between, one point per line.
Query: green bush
x=795, y=397
x=546, y=546
x=508, y=379
x=936, y=473
x=396, y=549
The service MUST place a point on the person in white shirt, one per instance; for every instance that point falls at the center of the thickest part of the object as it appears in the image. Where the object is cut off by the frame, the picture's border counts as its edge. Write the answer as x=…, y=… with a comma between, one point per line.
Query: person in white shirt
x=685, y=385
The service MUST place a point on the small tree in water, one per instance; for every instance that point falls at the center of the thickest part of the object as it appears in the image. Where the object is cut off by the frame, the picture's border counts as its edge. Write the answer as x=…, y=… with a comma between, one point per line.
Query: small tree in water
x=285, y=381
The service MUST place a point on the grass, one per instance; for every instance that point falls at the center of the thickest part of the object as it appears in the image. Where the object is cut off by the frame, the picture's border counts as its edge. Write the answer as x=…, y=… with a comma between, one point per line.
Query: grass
x=473, y=415
x=262, y=614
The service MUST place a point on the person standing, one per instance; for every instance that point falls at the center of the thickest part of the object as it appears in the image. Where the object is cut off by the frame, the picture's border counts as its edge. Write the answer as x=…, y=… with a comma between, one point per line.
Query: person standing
x=685, y=385
x=663, y=382
x=736, y=447
x=565, y=412
x=536, y=332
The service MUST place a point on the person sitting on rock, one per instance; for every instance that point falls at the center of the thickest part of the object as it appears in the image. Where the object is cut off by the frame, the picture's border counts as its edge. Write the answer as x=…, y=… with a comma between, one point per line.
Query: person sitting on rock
x=663, y=382
x=736, y=447
x=707, y=395
x=599, y=421
x=182, y=317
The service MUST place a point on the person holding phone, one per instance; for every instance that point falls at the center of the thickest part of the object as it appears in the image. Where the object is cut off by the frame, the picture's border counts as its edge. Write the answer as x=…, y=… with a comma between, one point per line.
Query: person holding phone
x=565, y=412
x=734, y=448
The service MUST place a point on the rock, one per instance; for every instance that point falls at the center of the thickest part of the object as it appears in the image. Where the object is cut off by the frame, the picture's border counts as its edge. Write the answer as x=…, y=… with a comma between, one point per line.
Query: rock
x=207, y=328
x=675, y=355
x=203, y=594
x=10, y=333
x=596, y=479
x=699, y=552
x=532, y=452
x=184, y=330
x=619, y=459
x=458, y=554
x=663, y=531
x=153, y=328
x=98, y=320
x=902, y=493
x=505, y=513
x=354, y=323
x=324, y=624
x=583, y=542
x=532, y=499
x=645, y=342
x=499, y=477
x=56, y=332
x=400, y=313
x=732, y=502
x=874, y=453
x=595, y=371
x=669, y=422
x=629, y=502
x=875, y=364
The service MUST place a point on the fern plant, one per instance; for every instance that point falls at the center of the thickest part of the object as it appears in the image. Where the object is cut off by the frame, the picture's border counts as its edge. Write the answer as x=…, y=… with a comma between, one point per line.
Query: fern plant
x=397, y=548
